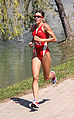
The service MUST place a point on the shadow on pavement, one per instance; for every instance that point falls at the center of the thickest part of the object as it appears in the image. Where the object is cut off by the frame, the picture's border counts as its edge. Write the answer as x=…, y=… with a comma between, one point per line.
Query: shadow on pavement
x=22, y=102
x=27, y=103
x=43, y=101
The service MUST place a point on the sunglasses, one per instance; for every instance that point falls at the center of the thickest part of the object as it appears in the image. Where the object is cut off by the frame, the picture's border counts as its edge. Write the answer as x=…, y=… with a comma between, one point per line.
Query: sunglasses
x=38, y=16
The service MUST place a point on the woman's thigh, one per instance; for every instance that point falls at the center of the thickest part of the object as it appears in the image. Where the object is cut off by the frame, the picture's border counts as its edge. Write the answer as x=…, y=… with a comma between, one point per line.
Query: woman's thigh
x=46, y=62
x=36, y=64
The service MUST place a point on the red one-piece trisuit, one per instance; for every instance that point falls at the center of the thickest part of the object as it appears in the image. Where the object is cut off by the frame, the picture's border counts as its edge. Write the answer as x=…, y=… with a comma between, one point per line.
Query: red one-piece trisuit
x=41, y=47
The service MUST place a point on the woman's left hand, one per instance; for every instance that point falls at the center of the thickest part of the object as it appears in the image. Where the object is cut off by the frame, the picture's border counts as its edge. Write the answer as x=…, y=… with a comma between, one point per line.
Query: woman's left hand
x=36, y=38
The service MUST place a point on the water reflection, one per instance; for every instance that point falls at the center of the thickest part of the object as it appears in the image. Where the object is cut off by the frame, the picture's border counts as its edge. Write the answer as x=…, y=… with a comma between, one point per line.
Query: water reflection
x=15, y=62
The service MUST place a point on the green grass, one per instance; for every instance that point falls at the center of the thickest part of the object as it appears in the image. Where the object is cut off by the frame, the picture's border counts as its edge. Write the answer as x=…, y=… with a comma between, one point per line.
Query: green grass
x=62, y=71
x=16, y=89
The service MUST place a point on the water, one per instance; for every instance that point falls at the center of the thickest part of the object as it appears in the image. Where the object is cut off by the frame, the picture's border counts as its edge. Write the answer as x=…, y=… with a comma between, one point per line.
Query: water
x=16, y=56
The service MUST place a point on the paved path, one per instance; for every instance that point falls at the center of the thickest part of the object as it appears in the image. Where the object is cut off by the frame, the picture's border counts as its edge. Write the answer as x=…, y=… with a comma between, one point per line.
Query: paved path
x=56, y=102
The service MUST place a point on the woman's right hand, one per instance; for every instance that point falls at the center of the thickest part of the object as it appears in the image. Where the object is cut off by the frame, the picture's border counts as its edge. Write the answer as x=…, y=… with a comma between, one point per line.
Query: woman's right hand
x=31, y=44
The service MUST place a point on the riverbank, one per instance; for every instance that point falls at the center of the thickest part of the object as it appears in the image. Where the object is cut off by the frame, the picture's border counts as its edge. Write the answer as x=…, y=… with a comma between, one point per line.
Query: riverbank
x=62, y=71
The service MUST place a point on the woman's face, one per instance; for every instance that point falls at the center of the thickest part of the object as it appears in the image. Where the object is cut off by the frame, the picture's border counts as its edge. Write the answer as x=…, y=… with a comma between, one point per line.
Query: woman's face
x=38, y=18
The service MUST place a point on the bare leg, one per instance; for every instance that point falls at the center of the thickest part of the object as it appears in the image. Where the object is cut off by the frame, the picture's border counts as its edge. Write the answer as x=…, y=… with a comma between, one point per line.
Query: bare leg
x=36, y=64
x=46, y=63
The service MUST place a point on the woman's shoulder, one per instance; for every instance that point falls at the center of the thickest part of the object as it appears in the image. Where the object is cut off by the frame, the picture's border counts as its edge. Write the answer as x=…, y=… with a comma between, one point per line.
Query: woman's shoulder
x=45, y=25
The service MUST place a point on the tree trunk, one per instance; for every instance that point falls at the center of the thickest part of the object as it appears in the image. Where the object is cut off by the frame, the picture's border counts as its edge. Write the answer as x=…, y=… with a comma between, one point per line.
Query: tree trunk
x=64, y=20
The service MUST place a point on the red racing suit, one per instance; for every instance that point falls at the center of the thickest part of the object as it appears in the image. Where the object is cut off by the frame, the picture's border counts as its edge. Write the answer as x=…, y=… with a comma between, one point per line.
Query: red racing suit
x=41, y=47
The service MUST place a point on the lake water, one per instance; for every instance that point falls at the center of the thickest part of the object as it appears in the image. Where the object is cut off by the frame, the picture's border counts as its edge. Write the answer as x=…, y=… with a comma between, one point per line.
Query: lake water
x=16, y=56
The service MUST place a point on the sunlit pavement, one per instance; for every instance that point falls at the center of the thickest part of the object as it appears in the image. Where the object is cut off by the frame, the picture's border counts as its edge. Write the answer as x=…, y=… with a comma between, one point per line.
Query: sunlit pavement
x=56, y=102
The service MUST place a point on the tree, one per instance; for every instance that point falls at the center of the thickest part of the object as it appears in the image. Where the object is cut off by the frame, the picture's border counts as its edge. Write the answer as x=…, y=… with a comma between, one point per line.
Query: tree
x=64, y=19
x=13, y=25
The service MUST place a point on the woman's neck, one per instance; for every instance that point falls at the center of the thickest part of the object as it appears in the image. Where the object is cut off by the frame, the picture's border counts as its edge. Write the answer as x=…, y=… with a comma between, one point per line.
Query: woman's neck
x=38, y=25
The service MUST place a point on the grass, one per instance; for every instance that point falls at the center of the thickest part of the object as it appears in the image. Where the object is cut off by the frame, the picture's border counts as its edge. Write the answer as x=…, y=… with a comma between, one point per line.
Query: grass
x=62, y=71
x=16, y=89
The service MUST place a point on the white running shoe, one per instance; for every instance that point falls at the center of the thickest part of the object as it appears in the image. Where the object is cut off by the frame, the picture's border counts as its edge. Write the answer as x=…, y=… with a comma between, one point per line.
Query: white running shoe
x=35, y=104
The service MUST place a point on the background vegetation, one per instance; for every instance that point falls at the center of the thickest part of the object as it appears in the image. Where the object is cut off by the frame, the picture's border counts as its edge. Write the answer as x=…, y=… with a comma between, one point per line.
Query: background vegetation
x=16, y=16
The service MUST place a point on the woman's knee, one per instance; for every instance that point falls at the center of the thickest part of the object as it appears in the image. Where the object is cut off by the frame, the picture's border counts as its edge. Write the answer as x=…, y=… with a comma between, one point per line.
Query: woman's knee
x=35, y=78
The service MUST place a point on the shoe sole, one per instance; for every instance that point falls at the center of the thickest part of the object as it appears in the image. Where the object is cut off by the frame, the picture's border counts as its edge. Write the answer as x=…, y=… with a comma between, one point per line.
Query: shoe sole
x=34, y=106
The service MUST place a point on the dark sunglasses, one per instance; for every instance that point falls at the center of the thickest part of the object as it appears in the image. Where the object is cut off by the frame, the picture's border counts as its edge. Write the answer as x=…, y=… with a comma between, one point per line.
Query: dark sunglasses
x=38, y=16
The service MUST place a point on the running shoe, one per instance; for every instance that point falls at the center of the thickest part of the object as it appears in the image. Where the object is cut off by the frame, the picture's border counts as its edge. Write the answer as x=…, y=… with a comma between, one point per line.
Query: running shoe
x=54, y=79
x=35, y=104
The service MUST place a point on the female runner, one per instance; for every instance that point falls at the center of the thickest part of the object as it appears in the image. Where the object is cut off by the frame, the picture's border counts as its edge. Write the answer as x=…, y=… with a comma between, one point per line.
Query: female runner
x=42, y=35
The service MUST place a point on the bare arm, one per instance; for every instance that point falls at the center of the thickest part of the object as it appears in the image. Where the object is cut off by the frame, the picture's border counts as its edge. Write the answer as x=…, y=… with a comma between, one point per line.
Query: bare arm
x=31, y=43
x=47, y=29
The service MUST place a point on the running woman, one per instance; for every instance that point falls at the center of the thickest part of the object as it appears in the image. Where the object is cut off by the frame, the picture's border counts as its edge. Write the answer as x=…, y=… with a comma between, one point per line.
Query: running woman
x=42, y=35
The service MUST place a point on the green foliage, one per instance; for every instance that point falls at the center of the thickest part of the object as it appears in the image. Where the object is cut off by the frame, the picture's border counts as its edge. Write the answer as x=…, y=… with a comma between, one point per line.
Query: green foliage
x=10, y=27
x=17, y=16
